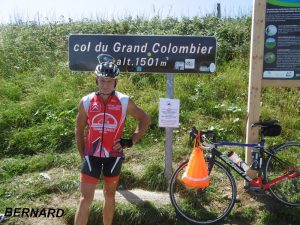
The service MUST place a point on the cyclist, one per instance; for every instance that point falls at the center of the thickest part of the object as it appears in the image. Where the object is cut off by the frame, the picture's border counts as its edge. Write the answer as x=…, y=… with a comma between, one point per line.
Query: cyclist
x=103, y=113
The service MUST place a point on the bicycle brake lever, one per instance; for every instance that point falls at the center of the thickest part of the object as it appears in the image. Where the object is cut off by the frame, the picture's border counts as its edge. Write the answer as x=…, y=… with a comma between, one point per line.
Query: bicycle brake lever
x=206, y=145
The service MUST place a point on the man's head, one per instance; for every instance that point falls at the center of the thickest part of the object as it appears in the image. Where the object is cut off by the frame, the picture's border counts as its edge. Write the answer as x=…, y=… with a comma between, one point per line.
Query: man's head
x=106, y=77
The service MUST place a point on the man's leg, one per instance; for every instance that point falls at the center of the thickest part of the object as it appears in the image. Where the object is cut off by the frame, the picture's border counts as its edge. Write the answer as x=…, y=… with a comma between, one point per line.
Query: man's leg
x=109, y=192
x=87, y=195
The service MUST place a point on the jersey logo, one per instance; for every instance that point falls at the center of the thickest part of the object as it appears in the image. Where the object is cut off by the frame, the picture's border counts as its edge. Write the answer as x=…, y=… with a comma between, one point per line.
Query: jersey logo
x=110, y=123
x=114, y=107
x=95, y=107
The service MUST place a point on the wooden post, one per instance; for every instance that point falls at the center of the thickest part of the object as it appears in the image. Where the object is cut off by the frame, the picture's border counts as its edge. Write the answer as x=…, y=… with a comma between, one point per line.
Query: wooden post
x=219, y=10
x=169, y=132
x=255, y=74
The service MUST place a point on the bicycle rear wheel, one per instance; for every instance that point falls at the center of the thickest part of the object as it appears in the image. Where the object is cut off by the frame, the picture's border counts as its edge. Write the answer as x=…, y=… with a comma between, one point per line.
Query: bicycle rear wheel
x=287, y=191
x=204, y=206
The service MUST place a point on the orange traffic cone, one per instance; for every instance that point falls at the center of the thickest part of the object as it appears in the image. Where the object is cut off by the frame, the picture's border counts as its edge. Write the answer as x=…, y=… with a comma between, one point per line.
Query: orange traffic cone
x=196, y=174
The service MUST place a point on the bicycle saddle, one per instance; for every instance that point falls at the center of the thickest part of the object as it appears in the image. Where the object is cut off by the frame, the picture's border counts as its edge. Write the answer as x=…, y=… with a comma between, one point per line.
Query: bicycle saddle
x=269, y=128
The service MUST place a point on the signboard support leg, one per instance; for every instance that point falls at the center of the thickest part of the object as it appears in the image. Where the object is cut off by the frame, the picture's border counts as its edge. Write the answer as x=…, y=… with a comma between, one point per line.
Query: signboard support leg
x=255, y=76
x=169, y=132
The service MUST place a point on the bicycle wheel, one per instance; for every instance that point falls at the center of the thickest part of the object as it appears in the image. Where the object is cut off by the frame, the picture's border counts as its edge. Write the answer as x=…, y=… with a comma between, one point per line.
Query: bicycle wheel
x=287, y=191
x=204, y=206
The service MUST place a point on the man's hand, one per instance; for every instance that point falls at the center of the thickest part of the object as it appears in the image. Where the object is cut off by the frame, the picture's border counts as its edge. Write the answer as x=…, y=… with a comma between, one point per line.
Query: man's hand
x=117, y=145
x=120, y=144
x=126, y=143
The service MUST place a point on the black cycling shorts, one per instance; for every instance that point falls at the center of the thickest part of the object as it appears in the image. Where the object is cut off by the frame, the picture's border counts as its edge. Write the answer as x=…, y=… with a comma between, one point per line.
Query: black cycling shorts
x=93, y=166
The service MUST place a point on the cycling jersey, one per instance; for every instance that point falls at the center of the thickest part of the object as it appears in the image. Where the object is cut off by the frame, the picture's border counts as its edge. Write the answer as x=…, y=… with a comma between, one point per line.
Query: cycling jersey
x=105, y=123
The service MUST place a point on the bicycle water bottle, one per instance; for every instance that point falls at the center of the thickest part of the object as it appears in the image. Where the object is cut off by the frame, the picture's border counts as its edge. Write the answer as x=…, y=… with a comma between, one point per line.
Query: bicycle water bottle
x=255, y=162
x=237, y=160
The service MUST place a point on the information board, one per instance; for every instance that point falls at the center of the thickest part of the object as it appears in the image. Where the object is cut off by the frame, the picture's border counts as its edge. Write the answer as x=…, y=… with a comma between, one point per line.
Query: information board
x=138, y=53
x=168, y=112
x=282, y=40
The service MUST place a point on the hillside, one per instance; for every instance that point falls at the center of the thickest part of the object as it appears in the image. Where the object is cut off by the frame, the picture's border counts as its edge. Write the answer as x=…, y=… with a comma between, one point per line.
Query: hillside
x=39, y=97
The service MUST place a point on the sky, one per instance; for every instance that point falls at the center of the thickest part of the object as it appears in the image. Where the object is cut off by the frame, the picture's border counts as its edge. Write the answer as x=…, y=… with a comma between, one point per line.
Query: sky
x=56, y=10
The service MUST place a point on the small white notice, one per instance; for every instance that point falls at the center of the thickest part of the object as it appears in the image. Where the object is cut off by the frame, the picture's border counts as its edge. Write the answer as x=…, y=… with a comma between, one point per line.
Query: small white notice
x=168, y=112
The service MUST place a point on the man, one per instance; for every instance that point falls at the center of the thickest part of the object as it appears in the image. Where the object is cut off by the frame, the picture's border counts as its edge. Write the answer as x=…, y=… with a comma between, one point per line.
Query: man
x=101, y=149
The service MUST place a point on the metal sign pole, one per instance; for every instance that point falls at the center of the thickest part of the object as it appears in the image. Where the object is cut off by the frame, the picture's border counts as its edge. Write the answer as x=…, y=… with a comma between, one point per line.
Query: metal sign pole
x=169, y=131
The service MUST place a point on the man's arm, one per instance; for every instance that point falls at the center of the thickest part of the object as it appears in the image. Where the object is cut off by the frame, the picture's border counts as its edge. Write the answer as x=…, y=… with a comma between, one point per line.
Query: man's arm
x=81, y=122
x=142, y=118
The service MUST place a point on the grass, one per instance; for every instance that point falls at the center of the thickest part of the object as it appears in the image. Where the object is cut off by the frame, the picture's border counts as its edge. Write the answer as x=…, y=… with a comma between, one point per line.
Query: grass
x=149, y=214
x=133, y=214
x=16, y=166
x=29, y=187
x=154, y=178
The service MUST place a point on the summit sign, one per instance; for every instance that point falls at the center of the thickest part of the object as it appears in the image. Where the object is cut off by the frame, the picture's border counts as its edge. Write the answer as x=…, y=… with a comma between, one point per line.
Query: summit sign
x=164, y=54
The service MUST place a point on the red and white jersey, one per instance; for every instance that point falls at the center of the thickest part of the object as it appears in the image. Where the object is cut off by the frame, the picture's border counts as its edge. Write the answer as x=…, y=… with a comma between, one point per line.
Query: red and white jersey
x=105, y=123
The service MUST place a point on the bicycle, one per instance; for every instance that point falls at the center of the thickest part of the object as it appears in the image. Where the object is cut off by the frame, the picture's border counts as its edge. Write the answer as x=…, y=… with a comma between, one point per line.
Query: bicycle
x=277, y=169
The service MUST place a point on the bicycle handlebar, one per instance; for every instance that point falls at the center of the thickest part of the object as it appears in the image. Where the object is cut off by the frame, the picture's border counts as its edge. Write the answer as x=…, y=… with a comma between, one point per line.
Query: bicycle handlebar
x=203, y=135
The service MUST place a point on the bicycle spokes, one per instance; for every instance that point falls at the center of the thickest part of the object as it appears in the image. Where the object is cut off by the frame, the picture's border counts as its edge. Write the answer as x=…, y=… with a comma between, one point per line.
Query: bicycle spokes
x=207, y=205
x=283, y=175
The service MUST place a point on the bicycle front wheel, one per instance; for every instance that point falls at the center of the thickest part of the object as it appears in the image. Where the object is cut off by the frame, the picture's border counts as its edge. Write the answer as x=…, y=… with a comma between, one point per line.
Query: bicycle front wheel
x=287, y=191
x=204, y=206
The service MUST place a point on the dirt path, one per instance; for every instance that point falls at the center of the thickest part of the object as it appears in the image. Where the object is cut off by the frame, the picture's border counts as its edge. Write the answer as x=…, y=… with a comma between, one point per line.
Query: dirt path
x=137, y=196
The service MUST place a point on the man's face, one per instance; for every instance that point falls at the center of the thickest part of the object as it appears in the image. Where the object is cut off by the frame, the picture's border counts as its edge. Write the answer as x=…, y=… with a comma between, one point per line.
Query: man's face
x=106, y=85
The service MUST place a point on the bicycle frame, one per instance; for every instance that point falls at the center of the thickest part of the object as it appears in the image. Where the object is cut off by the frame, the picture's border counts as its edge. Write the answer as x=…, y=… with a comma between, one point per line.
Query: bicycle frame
x=257, y=182
x=228, y=161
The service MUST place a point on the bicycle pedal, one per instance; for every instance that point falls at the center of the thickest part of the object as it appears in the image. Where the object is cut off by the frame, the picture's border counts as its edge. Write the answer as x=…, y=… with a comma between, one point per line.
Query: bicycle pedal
x=255, y=190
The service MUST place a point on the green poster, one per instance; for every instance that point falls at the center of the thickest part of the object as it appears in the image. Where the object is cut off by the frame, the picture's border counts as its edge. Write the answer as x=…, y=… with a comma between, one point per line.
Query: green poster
x=282, y=40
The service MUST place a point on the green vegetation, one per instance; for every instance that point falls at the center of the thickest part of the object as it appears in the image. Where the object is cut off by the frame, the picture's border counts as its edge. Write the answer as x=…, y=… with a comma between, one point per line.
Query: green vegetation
x=133, y=214
x=38, y=106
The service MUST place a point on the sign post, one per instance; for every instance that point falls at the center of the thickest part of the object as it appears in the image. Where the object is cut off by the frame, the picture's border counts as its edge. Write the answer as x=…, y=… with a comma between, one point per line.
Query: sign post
x=140, y=54
x=169, y=131
x=255, y=74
